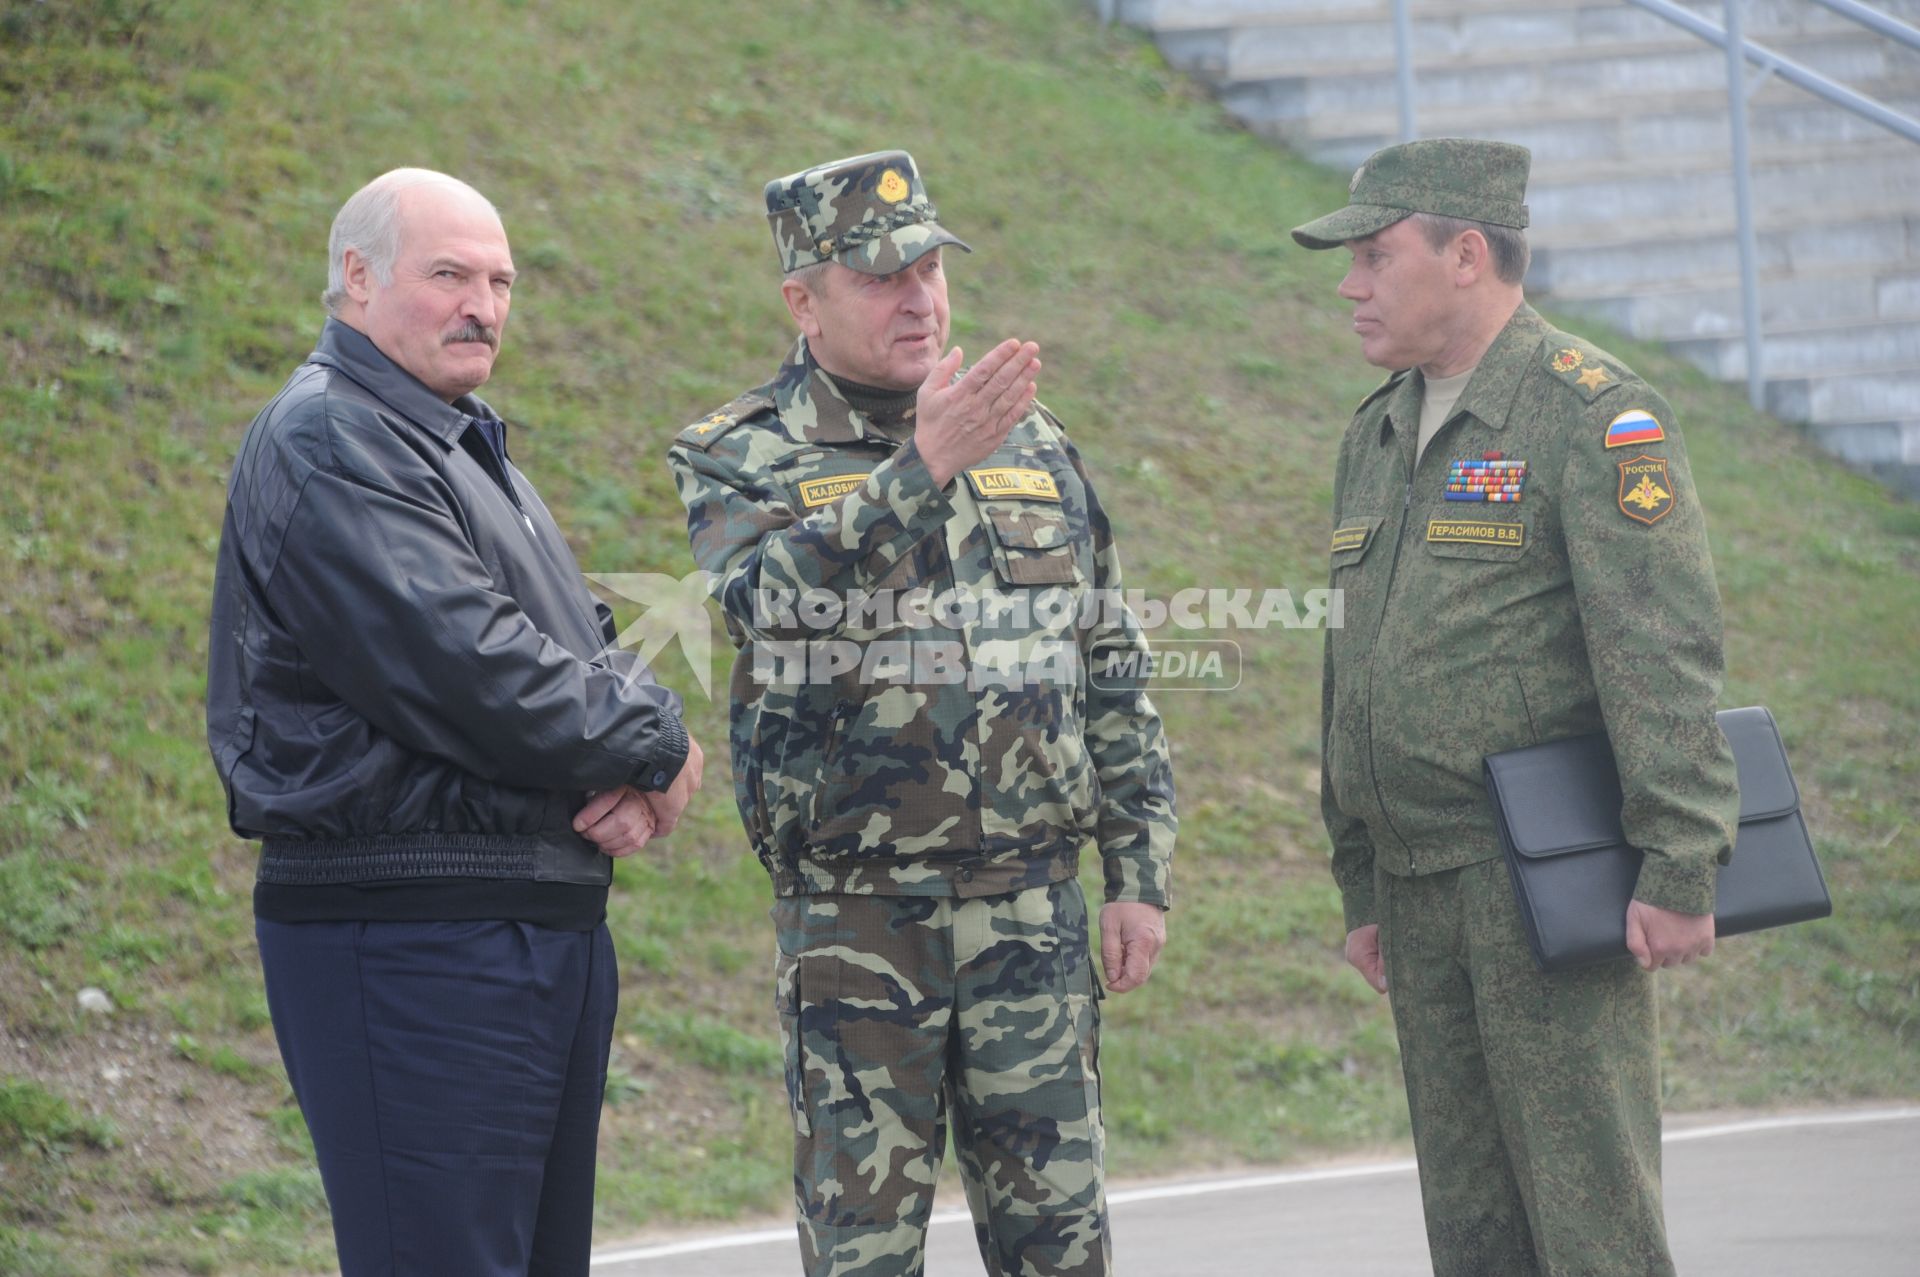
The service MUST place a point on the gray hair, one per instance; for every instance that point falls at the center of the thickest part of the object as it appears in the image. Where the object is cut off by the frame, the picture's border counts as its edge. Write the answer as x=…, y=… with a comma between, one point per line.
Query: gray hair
x=369, y=223
x=812, y=276
x=1508, y=244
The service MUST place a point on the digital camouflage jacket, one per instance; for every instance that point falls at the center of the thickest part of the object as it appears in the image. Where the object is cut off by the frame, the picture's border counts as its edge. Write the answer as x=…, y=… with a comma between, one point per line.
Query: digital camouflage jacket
x=941, y=736
x=1542, y=573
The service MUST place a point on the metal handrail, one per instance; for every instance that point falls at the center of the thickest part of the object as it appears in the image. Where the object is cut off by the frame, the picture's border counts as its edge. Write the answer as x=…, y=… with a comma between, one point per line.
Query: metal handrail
x=1787, y=69
x=1738, y=49
x=1886, y=25
x=1735, y=45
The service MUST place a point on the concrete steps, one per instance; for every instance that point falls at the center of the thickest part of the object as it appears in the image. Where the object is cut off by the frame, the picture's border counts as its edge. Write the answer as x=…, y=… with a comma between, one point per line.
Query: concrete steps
x=1648, y=123
x=1844, y=348
x=1172, y=18
x=1273, y=95
x=1632, y=187
x=1290, y=34
x=1659, y=54
x=1706, y=308
x=1608, y=195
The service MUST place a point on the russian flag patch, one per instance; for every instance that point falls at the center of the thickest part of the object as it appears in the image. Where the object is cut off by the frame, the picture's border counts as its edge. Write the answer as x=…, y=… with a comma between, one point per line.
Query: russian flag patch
x=1634, y=426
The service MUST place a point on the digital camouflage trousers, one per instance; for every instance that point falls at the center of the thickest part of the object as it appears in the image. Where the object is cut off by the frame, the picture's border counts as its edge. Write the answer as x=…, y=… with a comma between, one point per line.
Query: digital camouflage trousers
x=1535, y=1098
x=903, y=1016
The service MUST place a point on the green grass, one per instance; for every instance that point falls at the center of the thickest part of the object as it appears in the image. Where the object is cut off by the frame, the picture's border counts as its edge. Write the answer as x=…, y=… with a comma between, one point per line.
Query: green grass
x=36, y=1122
x=162, y=229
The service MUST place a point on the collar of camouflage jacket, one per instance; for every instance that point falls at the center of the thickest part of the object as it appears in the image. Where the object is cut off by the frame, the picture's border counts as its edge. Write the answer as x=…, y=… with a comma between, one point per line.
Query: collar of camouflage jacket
x=1496, y=379
x=812, y=408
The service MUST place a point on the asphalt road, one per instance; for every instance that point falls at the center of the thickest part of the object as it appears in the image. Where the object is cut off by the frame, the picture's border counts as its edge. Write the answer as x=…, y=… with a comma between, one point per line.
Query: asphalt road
x=1791, y=1195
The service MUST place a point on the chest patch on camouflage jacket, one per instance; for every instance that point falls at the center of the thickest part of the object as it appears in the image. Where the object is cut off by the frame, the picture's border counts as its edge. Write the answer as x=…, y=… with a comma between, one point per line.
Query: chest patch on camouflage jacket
x=1013, y=481
x=1352, y=538
x=815, y=493
x=1474, y=532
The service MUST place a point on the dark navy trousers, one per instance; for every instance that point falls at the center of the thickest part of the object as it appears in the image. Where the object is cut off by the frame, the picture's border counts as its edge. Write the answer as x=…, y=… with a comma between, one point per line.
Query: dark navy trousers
x=451, y=1075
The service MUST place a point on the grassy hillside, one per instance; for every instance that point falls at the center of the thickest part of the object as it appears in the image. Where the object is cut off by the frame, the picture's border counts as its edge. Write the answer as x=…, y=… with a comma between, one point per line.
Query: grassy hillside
x=167, y=175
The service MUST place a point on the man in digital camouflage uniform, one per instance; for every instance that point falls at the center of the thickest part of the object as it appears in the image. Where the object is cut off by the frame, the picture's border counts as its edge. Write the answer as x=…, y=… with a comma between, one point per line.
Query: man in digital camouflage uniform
x=1524, y=559
x=919, y=771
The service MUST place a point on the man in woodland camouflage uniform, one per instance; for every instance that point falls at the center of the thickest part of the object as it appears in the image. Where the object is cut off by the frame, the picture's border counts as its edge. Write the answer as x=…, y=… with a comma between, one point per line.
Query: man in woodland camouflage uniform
x=1523, y=559
x=920, y=580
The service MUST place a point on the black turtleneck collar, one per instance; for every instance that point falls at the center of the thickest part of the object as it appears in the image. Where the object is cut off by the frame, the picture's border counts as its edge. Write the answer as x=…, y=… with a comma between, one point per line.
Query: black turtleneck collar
x=885, y=408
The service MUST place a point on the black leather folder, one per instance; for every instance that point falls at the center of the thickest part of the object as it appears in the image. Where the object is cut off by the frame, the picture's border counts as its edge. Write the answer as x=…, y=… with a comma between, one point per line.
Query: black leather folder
x=1558, y=810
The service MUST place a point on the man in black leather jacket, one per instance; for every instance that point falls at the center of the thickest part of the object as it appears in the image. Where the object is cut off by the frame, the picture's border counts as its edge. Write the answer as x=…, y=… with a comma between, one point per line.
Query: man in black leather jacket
x=412, y=704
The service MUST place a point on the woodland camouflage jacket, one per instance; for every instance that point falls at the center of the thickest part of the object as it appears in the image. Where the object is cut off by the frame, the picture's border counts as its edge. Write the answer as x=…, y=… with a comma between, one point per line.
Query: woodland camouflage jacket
x=950, y=732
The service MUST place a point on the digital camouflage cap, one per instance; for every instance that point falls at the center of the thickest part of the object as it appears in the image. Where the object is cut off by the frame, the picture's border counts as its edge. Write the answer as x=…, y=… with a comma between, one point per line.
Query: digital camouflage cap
x=869, y=213
x=1448, y=176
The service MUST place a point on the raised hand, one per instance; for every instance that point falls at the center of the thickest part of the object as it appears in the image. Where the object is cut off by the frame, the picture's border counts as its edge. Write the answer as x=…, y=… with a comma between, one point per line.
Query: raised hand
x=961, y=422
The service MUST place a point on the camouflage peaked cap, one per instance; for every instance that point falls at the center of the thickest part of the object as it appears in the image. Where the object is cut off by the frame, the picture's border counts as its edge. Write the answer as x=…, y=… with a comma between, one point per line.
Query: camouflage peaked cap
x=869, y=213
x=1449, y=176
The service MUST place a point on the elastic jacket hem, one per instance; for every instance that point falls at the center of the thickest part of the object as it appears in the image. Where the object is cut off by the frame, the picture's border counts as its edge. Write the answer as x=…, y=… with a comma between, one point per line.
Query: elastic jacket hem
x=963, y=875
x=382, y=857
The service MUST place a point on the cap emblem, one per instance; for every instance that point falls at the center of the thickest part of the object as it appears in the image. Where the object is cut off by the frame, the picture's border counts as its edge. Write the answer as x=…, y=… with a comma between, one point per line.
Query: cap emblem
x=892, y=188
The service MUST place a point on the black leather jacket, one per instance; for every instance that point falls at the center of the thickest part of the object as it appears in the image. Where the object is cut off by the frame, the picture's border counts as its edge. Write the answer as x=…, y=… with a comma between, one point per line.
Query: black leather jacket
x=406, y=673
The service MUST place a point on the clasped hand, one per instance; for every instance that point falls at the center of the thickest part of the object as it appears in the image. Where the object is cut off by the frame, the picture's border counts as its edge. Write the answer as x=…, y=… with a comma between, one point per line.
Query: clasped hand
x=622, y=820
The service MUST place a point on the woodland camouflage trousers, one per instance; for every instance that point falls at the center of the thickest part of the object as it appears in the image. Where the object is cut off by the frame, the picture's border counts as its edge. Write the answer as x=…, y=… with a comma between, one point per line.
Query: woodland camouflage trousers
x=902, y=1016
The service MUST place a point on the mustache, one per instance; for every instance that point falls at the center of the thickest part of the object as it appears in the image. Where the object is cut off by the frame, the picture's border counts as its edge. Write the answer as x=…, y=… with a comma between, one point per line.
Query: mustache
x=473, y=331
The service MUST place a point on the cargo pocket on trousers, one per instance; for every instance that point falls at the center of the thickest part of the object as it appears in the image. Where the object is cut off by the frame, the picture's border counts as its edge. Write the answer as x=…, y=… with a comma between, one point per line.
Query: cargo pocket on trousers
x=786, y=1000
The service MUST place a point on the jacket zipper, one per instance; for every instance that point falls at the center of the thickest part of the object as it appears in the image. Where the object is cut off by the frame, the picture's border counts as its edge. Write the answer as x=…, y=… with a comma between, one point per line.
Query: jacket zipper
x=496, y=462
x=496, y=467
x=506, y=481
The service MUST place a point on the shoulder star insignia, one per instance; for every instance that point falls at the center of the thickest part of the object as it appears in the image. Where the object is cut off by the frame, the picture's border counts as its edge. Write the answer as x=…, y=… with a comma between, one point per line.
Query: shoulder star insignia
x=710, y=429
x=1592, y=377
